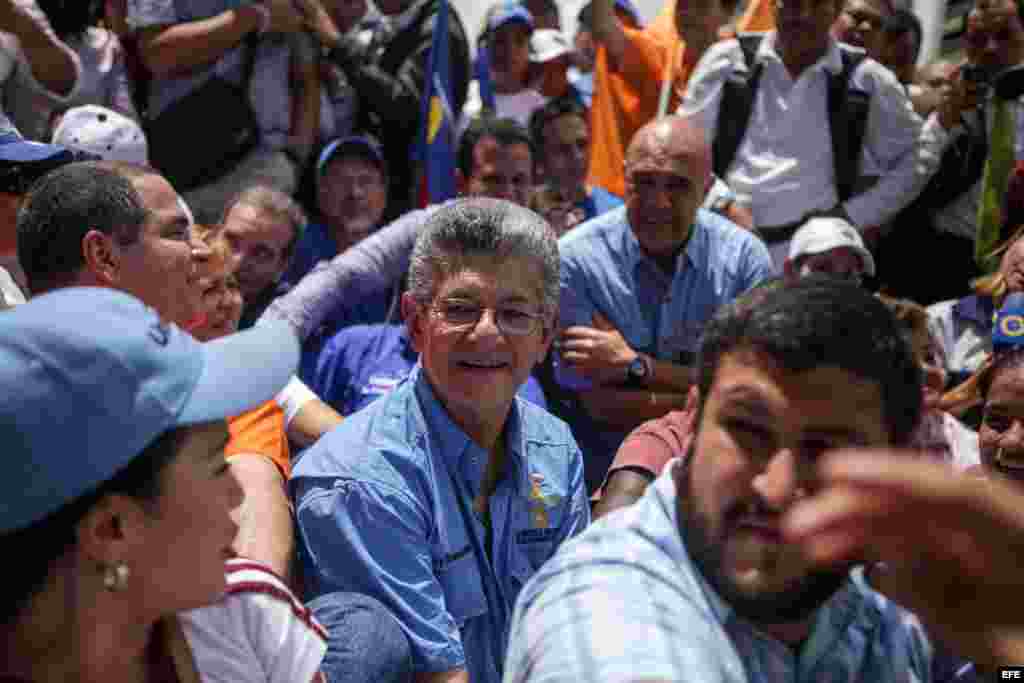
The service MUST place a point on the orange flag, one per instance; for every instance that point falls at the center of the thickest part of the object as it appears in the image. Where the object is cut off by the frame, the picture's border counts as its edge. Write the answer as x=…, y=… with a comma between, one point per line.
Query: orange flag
x=756, y=18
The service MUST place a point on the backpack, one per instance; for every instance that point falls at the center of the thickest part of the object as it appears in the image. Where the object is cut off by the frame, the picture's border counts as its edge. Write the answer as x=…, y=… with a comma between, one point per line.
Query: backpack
x=847, y=115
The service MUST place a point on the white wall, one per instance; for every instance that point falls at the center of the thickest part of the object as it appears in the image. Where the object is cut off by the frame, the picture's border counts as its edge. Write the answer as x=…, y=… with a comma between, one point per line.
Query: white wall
x=472, y=13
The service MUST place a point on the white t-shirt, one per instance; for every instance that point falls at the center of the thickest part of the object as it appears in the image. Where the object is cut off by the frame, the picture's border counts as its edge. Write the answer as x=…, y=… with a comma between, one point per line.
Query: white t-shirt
x=517, y=105
x=259, y=631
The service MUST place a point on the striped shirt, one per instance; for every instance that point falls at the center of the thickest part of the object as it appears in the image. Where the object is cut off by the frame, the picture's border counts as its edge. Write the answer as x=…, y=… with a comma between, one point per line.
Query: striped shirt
x=259, y=631
x=623, y=602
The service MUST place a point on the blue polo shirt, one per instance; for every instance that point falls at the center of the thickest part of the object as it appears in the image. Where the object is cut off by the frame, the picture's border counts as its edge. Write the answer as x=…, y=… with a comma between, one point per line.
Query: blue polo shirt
x=361, y=363
x=384, y=507
x=661, y=314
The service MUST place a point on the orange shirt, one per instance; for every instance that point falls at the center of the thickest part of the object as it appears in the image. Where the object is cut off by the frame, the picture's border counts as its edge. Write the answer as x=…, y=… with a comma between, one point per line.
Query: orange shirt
x=627, y=98
x=261, y=431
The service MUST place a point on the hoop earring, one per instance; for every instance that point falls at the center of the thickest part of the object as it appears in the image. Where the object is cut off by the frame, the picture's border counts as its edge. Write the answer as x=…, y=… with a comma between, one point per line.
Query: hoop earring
x=115, y=577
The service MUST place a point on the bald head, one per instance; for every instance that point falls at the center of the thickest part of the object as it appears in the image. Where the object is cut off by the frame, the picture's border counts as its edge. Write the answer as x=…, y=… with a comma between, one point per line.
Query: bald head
x=668, y=165
x=666, y=142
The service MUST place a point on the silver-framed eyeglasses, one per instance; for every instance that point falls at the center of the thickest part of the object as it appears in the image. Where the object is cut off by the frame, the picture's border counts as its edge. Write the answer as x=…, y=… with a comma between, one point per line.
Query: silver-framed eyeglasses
x=514, y=321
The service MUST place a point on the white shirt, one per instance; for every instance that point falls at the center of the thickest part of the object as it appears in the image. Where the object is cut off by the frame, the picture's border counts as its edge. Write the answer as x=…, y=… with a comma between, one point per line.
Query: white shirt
x=783, y=168
x=258, y=632
x=518, y=105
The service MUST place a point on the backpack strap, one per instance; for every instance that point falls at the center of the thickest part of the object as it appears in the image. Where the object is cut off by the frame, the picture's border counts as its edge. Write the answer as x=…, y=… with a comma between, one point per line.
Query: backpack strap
x=736, y=106
x=847, y=118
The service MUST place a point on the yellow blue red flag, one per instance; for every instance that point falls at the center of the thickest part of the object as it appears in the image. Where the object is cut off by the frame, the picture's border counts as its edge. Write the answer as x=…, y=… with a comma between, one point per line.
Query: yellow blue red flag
x=436, y=152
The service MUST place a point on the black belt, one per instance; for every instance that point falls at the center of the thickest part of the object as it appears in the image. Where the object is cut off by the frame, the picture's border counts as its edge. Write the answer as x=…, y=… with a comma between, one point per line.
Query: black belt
x=773, y=234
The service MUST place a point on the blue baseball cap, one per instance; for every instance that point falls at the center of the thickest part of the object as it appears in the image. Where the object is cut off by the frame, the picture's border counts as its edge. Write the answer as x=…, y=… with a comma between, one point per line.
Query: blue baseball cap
x=365, y=146
x=15, y=149
x=91, y=376
x=1008, y=324
x=508, y=12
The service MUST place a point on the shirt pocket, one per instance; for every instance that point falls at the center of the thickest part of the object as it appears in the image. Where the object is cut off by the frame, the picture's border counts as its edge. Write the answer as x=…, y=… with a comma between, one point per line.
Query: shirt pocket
x=461, y=584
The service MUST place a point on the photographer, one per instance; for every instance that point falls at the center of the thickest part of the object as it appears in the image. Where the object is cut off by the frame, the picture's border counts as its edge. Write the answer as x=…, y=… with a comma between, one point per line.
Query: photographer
x=944, y=216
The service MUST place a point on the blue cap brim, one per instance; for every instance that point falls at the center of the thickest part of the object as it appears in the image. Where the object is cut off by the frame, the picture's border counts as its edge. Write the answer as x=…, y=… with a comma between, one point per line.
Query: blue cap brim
x=241, y=371
x=15, y=149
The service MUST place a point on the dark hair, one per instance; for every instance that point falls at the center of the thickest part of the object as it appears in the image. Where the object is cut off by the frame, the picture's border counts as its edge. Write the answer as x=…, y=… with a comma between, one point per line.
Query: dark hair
x=901, y=22
x=506, y=131
x=551, y=110
x=63, y=207
x=39, y=546
x=819, y=321
x=70, y=18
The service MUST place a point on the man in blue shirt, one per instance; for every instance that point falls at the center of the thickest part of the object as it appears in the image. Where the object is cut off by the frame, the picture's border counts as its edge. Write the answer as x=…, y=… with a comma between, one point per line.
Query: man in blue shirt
x=351, y=195
x=361, y=363
x=637, y=286
x=696, y=581
x=443, y=497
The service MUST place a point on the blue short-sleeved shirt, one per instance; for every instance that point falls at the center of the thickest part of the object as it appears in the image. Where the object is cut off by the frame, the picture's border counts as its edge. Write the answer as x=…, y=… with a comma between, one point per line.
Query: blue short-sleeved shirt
x=625, y=602
x=361, y=363
x=384, y=506
x=605, y=271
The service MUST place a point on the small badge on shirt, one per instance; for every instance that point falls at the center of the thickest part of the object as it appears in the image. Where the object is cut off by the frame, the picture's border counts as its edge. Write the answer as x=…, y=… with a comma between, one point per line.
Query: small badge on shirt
x=540, y=503
x=380, y=385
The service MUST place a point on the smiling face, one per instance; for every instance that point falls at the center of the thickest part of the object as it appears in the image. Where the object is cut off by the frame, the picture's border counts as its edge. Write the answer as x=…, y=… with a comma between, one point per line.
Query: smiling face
x=760, y=431
x=476, y=369
x=160, y=267
x=667, y=168
x=1001, y=435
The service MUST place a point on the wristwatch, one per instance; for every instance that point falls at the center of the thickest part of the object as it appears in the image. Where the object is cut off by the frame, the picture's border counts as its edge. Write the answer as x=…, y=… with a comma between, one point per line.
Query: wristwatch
x=638, y=371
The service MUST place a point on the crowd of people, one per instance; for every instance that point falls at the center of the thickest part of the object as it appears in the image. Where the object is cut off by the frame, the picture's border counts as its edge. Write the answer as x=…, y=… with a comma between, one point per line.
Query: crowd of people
x=712, y=370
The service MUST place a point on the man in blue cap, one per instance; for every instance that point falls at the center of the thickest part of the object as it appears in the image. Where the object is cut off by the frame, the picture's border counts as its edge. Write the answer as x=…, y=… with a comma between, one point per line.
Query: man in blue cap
x=351, y=196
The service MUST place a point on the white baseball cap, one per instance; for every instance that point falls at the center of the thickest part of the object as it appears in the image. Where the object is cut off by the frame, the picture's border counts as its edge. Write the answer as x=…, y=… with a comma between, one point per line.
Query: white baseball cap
x=104, y=132
x=547, y=44
x=822, y=234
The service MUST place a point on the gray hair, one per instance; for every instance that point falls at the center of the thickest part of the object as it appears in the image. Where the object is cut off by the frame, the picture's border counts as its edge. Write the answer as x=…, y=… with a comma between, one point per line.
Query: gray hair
x=482, y=226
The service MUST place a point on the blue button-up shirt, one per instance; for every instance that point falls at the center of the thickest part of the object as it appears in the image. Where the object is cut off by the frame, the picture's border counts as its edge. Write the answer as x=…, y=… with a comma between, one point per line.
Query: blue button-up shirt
x=385, y=507
x=361, y=363
x=624, y=601
x=605, y=271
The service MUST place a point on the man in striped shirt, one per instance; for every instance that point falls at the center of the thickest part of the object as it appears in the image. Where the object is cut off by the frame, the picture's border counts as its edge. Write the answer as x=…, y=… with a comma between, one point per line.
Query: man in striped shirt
x=695, y=582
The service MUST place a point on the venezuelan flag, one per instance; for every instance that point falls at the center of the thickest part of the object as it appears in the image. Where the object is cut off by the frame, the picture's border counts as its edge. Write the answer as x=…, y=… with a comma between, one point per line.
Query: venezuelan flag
x=436, y=152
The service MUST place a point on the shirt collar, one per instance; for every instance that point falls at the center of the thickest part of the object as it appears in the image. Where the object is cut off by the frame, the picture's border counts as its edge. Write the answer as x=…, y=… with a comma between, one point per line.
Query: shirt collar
x=831, y=61
x=695, y=251
x=454, y=442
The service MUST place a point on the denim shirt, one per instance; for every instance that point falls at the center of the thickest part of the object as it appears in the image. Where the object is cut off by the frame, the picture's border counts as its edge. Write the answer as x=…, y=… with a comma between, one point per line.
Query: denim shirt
x=605, y=271
x=624, y=601
x=385, y=507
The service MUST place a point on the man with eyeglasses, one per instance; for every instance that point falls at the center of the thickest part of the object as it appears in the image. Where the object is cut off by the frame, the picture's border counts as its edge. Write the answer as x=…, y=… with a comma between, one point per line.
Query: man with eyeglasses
x=828, y=246
x=443, y=497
